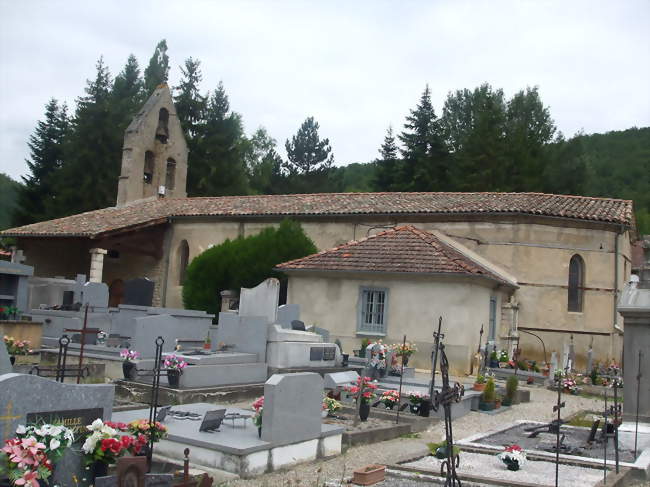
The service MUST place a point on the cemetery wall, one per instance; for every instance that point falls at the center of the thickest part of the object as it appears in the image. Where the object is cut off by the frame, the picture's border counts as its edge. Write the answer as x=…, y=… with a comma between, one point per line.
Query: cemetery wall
x=414, y=304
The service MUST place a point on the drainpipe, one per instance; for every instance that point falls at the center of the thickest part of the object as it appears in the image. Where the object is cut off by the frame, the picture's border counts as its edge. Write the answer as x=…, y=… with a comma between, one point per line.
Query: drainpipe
x=616, y=250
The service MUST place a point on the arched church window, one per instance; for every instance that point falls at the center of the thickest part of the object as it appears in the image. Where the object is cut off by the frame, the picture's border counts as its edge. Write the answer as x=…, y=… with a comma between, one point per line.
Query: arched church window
x=149, y=160
x=576, y=283
x=162, y=131
x=184, y=257
x=170, y=176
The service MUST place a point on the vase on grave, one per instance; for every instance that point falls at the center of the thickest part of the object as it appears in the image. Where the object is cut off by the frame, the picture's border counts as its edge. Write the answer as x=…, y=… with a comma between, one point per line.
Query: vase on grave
x=414, y=408
x=129, y=369
x=425, y=408
x=494, y=363
x=100, y=469
x=259, y=432
x=12, y=359
x=364, y=411
x=173, y=378
x=405, y=360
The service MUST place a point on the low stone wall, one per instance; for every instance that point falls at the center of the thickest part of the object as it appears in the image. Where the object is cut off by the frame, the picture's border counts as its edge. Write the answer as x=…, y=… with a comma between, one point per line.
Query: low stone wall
x=23, y=330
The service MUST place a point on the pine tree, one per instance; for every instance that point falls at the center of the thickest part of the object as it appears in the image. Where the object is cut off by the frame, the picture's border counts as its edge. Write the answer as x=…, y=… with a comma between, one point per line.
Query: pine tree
x=89, y=175
x=264, y=164
x=220, y=151
x=128, y=87
x=426, y=160
x=158, y=69
x=387, y=171
x=37, y=196
x=474, y=128
x=306, y=152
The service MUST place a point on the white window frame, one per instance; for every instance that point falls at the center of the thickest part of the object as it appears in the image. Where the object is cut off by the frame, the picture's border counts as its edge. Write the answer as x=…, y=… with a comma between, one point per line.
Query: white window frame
x=372, y=329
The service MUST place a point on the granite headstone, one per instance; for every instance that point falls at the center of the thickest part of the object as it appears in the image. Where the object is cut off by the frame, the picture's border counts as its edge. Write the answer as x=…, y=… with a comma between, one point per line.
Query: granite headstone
x=138, y=292
x=5, y=363
x=292, y=408
x=262, y=300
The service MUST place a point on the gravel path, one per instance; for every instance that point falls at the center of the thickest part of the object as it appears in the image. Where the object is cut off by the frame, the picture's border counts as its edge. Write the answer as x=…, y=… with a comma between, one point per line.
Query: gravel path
x=389, y=452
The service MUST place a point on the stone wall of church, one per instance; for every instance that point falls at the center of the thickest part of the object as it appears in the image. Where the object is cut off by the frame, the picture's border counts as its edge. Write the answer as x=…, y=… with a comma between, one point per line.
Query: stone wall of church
x=536, y=251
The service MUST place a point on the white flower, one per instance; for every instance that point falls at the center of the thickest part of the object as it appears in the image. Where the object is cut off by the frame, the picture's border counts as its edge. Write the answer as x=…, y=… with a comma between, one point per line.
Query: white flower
x=54, y=444
x=21, y=430
x=96, y=425
x=107, y=430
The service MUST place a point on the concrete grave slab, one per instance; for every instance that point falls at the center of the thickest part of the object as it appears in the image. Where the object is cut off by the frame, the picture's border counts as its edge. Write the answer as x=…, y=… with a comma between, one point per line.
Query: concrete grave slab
x=262, y=300
x=5, y=363
x=279, y=334
x=340, y=379
x=292, y=408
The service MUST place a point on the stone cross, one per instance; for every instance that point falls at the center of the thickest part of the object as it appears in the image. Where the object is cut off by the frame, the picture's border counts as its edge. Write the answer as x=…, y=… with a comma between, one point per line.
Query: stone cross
x=565, y=355
x=590, y=358
x=553, y=365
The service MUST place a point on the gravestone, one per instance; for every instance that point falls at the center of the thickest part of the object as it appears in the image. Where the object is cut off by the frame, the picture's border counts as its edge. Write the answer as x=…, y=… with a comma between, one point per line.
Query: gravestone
x=324, y=332
x=138, y=292
x=566, y=349
x=95, y=294
x=5, y=363
x=292, y=408
x=287, y=313
x=298, y=325
x=590, y=360
x=338, y=380
x=554, y=365
x=29, y=399
x=262, y=300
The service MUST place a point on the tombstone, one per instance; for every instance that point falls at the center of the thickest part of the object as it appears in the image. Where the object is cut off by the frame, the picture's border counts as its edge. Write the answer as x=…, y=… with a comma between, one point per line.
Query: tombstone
x=554, y=365
x=95, y=294
x=262, y=300
x=287, y=313
x=29, y=399
x=5, y=362
x=565, y=355
x=590, y=360
x=138, y=292
x=324, y=332
x=68, y=299
x=292, y=408
x=339, y=380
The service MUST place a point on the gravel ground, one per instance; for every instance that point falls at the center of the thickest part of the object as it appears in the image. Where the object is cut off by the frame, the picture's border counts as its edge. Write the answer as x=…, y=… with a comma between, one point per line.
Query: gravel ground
x=389, y=452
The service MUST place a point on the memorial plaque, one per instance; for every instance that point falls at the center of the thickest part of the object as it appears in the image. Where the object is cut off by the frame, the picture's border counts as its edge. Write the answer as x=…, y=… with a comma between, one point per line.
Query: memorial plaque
x=75, y=419
x=316, y=353
x=212, y=420
x=329, y=353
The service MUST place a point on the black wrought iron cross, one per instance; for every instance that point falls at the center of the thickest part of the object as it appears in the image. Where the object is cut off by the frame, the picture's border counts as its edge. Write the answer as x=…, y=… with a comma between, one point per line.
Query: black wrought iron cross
x=557, y=408
x=447, y=396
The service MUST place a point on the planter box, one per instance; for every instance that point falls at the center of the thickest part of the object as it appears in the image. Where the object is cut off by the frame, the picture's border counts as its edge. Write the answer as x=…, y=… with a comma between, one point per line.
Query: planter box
x=478, y=387
x=369, y=475
x=486, y=406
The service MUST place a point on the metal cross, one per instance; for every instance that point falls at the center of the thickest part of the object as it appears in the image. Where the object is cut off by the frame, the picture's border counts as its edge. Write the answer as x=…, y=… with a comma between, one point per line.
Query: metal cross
x=437, y=336
x=560, y=404
x=446, y=397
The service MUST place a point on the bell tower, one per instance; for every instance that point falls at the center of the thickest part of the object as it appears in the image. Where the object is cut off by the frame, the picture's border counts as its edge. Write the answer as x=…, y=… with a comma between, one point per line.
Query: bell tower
x=154, y=155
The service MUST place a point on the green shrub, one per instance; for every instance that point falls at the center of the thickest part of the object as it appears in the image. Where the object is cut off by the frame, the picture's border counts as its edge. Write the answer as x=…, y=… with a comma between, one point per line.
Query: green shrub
x=511, y=388
x=489, y=394
x=243, y=262
x=480, y=379
x=439, y=450
x=522, y=365
x=594, y=375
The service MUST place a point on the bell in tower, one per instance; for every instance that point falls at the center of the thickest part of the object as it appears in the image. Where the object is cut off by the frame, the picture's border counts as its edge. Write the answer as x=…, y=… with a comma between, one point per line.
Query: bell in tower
x=162, y=131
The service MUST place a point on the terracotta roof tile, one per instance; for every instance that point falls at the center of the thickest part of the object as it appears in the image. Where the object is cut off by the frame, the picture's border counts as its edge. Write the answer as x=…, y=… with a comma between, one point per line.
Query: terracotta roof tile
x=404, y=249
x=150, y=211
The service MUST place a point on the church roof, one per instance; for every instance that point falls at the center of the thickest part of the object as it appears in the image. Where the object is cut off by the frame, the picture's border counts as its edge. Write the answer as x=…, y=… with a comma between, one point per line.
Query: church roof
x=405, y=249
x=153, y=211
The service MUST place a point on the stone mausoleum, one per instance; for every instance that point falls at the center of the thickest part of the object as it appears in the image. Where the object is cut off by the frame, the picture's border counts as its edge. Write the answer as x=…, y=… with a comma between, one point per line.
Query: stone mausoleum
x=552, y=265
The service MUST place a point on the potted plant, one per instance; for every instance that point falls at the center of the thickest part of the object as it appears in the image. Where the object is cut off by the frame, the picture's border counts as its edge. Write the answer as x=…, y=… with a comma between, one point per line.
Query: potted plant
x=174, y=367
x=258, y=406
x=503, y=359
x=415, y=401
x=494, y=359
x=497, y=401
x=105, y=445
x=330, y=406
x=488, y=397
x=369, y=475
x=390, y=398
x=143, y=431
x=362, y=349
x=479, y=383
x=511, y=391
x=404, y=350
x=366, y=388
x=16, y=347
x=207, y=344
x=129, y=368
x=513, y=457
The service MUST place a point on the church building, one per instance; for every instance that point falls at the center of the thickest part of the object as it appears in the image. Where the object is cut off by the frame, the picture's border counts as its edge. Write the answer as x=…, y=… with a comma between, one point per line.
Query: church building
x=541, y=267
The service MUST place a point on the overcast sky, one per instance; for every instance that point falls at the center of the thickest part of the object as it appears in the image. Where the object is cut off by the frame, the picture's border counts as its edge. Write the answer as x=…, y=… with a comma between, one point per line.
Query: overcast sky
x=355, y=66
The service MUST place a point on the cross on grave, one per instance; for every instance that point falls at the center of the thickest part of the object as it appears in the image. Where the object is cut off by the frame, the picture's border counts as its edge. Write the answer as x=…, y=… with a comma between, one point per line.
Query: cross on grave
x=557, y=408
x=8, y=419
x=84, y=331
x=478, y=357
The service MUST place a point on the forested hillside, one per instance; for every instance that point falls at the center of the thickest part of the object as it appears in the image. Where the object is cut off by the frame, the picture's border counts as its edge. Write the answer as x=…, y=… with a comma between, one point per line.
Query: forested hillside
x=8, y=198
x=479, y=140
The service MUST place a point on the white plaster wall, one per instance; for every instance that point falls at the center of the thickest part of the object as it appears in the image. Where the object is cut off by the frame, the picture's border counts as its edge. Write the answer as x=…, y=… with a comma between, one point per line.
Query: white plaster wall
x=331, y=301
x=283, y=456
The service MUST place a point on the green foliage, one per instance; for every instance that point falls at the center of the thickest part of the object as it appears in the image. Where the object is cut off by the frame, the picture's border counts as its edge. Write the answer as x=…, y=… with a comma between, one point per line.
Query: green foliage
x=439, y=450
x=489, y=394
x=511, y=387
x=243, y=262
x=9, y=195
x=387, y=166
x=594, y=375
x=480, y=379
x=307, y=153
x=157, y=71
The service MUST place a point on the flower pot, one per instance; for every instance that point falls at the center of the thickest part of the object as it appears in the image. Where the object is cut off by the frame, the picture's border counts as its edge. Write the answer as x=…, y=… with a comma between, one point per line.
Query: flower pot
x=174, y=378
x=530, y=380
x=364, y=411
x=486, y=406
x=497, y=404
x=478, y=387
x=494, y=363
x=369, y=475
x=130, y=370
x=12, y=359
x=207, y=346
x=405, y=360
x=259, y=432
x=414, y=408
x=362, y=353
x=512, y=465
x=425, y=408
x=503, y=365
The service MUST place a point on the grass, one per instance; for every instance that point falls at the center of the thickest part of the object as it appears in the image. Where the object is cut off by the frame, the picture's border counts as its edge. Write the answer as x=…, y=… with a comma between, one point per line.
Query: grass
x=583, y=419
x=410, y=435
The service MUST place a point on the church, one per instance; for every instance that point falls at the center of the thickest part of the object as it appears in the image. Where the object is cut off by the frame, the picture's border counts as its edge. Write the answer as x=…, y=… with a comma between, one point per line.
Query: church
x=544, y=268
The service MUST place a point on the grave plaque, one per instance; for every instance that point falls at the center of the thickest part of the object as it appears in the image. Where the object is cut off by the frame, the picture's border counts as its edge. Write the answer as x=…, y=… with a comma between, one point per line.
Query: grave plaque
x=315, y=354
x=329, y=353
x=212, y=420
x=75, y=419
x=138, y=292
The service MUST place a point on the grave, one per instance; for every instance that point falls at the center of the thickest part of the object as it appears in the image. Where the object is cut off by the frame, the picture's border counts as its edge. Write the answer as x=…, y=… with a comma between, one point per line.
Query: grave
x=13, y=286
x=138, y=292
x=31, y=399
x=292, y=431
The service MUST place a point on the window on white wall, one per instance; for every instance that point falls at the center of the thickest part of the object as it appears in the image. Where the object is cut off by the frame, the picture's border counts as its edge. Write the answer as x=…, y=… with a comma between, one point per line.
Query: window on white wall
x=373, y=310
x=492, y=330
